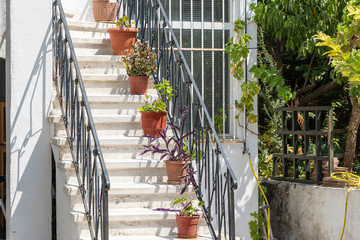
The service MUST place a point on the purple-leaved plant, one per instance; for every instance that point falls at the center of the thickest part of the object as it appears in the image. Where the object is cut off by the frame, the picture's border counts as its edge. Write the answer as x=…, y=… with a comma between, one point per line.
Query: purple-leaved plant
x=184, y=207
x=175, y=149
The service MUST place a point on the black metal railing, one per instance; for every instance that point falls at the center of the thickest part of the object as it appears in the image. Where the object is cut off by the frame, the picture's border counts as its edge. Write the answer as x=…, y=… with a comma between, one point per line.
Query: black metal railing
x=92, y=176
x=216, y=179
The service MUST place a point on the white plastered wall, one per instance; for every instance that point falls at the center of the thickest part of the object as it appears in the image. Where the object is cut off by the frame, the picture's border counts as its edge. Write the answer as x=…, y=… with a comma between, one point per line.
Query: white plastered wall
x=247, y=193
x=2, y=28
x=28, y=98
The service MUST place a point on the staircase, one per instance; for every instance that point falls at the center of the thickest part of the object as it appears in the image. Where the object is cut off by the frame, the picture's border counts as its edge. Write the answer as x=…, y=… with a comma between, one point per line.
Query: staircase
x=138, y=183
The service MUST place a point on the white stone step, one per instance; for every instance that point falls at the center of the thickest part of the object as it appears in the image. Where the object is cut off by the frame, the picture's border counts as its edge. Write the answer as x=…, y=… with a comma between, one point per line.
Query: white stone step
x=148, y=195
x=82, y=29
x=89, y=26
x=101, y=64
x=120, y=142
x=92, y=46
x=113, y=88
x=122, y=104
x=103, y=119
x=133, y=221
x=69, y=14
x=129, y=176
x=136, y=189
x=150, y=237
x=124, y=164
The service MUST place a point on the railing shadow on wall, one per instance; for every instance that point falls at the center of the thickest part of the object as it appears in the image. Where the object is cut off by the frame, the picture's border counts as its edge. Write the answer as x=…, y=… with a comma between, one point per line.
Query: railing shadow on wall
x=91, y=172
x=215, y=177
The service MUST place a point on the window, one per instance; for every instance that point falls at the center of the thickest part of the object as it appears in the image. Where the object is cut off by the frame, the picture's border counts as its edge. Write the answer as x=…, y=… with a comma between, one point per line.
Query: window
x=202, y=29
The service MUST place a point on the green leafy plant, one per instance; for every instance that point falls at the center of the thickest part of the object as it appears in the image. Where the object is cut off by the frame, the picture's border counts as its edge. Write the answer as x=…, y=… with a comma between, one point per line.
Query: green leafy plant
x=123, y=22
x=345, y=59
x=259, y=221
x=255, y=224
x=188, y=207
x=184, y=207
x=141, y=62
x=158, y=105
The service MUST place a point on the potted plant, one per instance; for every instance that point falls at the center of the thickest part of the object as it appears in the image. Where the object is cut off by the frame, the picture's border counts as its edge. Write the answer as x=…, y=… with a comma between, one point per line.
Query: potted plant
x=122, y=37
x=153, y=115
x=104, y=11
x=139, y=66
x=175, y=153
x=187, y=217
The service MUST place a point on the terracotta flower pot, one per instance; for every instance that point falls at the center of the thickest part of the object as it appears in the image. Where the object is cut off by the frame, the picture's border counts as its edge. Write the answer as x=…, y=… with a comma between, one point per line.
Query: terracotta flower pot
x=153, y=122
x=174, y=171
x=138, y=84
x=104, y=11
x=122, y=39
x=187, y=226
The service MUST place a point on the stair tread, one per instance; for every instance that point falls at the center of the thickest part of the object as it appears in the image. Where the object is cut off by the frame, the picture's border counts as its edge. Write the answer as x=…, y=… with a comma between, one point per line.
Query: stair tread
x=99, y=58
x=90, y=40
x=107, y=77
x=135, y=188
x=89, y=26
x=109, y=140
x=56, y=118
x=151, y=237
x=120, y=163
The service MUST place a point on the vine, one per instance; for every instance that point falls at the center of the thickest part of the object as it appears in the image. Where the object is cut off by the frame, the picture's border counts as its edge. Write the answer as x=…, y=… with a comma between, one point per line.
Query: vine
x=238, y=53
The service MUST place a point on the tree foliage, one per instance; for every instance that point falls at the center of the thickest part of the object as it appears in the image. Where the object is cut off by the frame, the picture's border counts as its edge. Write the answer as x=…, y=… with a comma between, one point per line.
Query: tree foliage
x=291, y=70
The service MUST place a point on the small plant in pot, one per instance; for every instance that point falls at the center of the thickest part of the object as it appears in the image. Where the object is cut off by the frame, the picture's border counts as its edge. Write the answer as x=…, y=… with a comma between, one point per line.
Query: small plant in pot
x=122, y=37
x=187, y=217
x=175, y=154
x=153, y=115
x=104, y=11
x=139, y=66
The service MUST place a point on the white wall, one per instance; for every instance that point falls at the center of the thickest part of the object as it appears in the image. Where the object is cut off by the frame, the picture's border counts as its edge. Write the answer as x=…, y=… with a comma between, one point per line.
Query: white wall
x=301, y=211
x=28, y=102
x=82, y=9
x=247, y=193
x=2, y=28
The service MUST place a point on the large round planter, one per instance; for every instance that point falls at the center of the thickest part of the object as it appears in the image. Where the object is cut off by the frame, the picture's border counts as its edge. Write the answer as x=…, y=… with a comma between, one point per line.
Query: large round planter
x=122, y=39
x=187, y=226
x=174, y=171
x=104, y=11
x=153, y=122
x=138, y=84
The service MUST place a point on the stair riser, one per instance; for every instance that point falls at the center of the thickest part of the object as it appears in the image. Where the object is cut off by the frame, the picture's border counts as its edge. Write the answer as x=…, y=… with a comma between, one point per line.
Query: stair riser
x=108, y=108
x=114, y=153
x=93, y=49
x=152, y=228
x=102, y=67
x=76, y=33
x=110, y=129
x=137, y=201
x=141, y=177
x=112, y=88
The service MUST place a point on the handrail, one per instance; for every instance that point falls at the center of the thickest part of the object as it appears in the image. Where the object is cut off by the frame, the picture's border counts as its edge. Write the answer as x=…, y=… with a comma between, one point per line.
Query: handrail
x=91, y=172
x=216, y=178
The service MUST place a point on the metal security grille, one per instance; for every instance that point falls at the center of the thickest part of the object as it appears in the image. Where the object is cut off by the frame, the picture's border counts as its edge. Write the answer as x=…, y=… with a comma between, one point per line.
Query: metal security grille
x=307, y=141
x=203, y=27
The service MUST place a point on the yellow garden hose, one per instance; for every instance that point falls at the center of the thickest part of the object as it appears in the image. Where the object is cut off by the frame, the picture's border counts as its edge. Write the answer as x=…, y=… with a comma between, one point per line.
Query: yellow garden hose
x=267, y=202
x=351, y=179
